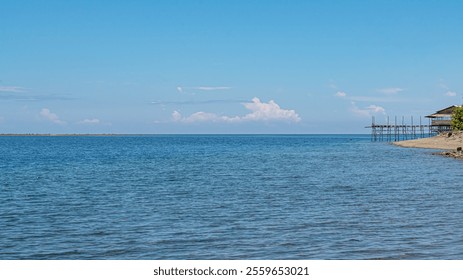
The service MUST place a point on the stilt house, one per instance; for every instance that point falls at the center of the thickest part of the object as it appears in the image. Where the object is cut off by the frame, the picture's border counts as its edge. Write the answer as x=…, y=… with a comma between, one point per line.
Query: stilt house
x=442, y=120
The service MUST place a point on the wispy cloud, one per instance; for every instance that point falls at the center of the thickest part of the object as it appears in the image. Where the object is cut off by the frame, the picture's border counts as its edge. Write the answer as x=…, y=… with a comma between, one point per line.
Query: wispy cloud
x=211, y=88
x=182, y=89
x=45, y=113
x=260, y=111
x=13, y=89
x=332, y=84
x=203, y=117
x=16, y=93
x=367, y=111
x=448, y=91
x=443, y=85
x=391, y=90
x=340, y=94
x=390, y=95
x=376, y=109
x=90, y=121
x=196, y=102
x=32, y=97
x=388, y=99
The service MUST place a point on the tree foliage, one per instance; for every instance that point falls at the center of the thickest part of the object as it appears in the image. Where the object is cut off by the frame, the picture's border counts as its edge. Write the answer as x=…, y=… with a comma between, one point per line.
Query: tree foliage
x=457, y=118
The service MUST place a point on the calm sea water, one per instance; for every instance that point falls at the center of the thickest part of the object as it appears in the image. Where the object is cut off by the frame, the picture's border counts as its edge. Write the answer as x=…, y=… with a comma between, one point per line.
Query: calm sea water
x=227, y=197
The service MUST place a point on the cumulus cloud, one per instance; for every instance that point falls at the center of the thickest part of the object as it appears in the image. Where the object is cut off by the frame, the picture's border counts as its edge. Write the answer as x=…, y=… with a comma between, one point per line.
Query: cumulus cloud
x=260, y=111
x=392, y=90
x=340, y=94
x=48, y=115
x=90, y=121
x=367, y=111
x=176, y=116
x=451, y=93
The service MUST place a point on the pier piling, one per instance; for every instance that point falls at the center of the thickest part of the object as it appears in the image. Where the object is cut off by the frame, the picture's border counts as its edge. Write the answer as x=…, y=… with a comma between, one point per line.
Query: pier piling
x=398, y=132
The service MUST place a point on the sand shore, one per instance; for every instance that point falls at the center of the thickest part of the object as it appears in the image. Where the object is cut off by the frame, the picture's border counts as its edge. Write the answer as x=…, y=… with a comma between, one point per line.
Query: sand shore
x=440, y=142
x=449, y=142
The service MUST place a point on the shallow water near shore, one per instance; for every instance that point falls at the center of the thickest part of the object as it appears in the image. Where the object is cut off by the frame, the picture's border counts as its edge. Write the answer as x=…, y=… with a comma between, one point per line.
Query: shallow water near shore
x=227, y=197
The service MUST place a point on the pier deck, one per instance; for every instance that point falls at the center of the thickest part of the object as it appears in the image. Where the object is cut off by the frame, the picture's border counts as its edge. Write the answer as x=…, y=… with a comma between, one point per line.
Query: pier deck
x=401, y=131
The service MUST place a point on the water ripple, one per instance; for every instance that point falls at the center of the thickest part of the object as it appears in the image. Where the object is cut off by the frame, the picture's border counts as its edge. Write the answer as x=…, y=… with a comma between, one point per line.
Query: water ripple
x=226, y=197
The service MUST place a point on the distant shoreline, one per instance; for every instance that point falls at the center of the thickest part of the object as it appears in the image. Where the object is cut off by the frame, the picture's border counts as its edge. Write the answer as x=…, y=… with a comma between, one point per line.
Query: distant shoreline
x=65, y=134
x=179, y=134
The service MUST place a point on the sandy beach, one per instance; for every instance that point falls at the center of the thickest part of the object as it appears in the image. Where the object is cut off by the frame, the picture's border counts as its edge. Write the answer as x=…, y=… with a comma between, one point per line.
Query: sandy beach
x=440, y=142
x=449, y=142
x=444, y=141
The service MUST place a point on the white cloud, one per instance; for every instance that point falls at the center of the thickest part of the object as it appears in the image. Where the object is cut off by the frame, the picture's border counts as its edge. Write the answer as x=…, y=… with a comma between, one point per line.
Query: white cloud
x=12, y=89
x=203, y=117
x=181, y=89
x=367, y=111
x=260, y=111
x=176, y=116
x=376, y=109
x=393, y=90
x=448, y=92
x=196, y=102
x=340, y=94
x=90, y=121
x=46, y=114
x=207, y=88
x=269, y=111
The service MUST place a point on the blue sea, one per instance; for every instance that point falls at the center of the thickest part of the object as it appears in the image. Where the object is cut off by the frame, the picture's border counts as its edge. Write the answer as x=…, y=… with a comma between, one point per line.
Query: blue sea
x=227, y=197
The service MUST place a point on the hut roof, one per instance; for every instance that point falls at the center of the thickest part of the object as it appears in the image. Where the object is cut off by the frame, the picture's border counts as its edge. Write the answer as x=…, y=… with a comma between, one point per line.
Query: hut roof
x=446, y=112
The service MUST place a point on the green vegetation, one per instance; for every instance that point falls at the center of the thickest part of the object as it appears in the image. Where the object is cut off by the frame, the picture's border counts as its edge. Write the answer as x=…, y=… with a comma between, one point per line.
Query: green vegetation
x=457, y=118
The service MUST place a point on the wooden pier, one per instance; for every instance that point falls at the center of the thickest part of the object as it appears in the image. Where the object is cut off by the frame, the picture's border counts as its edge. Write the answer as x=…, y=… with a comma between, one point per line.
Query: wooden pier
x=400, y=130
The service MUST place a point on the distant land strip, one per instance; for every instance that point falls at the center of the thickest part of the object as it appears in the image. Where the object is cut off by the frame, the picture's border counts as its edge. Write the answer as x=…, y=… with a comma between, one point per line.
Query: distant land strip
x=67, y=134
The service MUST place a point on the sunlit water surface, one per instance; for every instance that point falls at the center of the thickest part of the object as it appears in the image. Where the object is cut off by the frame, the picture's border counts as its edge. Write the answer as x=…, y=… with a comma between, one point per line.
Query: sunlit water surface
x=227, y=197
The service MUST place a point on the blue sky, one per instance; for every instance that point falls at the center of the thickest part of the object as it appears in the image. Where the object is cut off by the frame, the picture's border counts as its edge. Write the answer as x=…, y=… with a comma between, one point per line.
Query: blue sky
x=225, y=66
